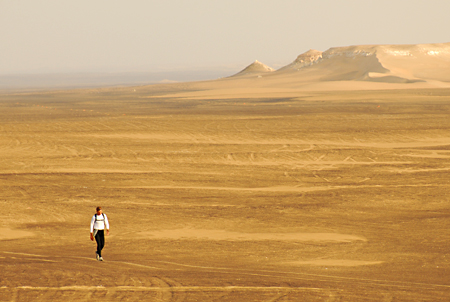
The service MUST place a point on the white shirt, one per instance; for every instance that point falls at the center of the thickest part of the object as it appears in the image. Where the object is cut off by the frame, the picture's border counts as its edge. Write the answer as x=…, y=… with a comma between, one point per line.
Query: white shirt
x=102, y=220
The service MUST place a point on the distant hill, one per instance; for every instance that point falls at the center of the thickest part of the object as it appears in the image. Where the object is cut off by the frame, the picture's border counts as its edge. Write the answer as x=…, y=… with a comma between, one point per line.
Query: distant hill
x=374, y=63
x=350, y=68
x=255, y=68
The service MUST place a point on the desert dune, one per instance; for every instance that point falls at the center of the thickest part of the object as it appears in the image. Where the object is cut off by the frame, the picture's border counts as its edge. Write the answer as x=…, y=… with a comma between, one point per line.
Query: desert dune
x=324, y=180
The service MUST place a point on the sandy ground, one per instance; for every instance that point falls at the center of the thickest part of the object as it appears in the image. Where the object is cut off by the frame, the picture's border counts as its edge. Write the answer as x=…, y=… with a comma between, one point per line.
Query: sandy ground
x=308, y=196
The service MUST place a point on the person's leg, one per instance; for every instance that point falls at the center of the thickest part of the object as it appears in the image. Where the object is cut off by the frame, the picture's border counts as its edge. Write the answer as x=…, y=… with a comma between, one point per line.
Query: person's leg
x=97, y=241
x=100, y=238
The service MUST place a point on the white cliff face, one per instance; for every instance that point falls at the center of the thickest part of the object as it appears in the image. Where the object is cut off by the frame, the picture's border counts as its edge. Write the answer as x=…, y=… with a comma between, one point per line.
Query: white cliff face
x=348, y=52
x=308, y=58
x=415, y=50
x=399, y=53
x=312, y=57
x=391, y=50
x=438, y=50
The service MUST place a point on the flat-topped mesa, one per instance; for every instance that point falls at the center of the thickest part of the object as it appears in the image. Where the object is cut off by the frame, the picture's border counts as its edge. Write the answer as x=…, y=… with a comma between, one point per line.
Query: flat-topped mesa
x=441, y=50
x=255, y=68
x=378, y=63
x=315, y=56
x=401, y=50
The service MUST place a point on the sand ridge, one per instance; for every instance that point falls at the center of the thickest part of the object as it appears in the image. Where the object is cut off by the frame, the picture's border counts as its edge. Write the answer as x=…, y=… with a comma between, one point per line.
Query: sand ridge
x=10, y=234
x=205, y=234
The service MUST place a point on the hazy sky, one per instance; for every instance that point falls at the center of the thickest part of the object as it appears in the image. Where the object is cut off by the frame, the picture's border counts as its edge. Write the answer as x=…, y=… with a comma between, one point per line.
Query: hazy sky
x=46, y=36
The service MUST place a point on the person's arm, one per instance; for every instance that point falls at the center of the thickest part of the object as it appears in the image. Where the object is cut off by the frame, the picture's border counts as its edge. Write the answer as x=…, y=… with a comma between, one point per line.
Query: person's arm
x=92, y=228
x=106, y=224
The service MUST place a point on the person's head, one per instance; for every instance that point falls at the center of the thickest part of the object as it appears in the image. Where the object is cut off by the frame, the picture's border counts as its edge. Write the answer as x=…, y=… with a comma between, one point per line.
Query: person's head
x=99, y=210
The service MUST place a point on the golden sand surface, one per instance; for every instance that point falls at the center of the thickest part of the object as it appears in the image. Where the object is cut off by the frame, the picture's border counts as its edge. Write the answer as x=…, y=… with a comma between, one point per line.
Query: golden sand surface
x=217, y=194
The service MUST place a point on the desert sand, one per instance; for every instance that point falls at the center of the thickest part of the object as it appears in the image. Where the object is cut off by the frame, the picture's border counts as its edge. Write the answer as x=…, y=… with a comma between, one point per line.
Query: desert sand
x=265, y=186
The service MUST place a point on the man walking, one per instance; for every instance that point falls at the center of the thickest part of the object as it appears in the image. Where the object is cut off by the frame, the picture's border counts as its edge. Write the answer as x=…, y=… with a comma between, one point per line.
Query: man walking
x=99, y=223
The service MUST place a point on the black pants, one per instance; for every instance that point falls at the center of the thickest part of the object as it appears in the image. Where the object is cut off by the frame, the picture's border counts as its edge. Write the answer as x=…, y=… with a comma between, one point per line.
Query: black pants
x=100, y=238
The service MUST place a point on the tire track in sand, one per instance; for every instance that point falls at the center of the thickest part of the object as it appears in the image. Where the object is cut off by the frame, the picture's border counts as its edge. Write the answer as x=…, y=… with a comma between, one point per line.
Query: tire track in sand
x=165, y=288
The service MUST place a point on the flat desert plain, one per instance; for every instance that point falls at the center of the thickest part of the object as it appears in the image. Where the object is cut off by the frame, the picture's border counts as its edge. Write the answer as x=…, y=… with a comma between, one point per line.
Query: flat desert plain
x=301, y=196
